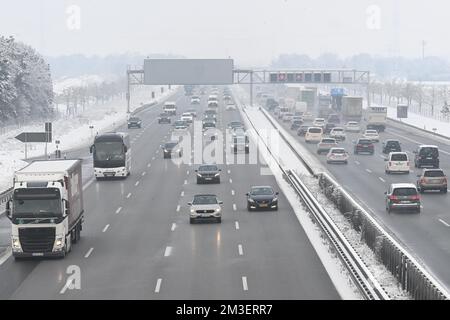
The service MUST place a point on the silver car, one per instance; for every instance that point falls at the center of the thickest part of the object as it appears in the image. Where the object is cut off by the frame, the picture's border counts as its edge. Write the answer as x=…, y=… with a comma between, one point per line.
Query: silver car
x=205, y=207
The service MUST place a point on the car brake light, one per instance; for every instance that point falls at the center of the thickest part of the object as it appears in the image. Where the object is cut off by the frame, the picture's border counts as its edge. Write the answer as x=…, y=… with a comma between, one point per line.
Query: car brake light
x=444, y=180
x=415, y=197
x=407, y=163
x=392, y=197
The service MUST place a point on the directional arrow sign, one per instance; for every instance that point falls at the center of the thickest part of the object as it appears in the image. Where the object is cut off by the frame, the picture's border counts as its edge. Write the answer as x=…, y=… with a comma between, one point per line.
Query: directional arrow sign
x=33, y=137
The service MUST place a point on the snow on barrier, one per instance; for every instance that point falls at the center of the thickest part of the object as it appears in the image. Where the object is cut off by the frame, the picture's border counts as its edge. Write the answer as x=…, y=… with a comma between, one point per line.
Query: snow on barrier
x=412, y=277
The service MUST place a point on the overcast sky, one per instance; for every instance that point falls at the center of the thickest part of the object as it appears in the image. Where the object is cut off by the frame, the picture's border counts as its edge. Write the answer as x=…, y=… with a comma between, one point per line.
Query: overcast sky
x=251, y=31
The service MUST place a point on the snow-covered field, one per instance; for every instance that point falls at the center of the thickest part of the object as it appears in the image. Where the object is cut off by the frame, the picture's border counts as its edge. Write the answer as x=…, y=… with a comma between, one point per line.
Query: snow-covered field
x=72, y=132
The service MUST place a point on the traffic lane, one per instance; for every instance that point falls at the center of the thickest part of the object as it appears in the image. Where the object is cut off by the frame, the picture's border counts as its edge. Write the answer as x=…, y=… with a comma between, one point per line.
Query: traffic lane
x=413, y=230
x=94, y=287
x=112, y=193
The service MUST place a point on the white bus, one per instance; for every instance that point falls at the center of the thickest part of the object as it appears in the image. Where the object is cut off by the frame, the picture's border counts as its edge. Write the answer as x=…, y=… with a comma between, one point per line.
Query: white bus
x=112, y=155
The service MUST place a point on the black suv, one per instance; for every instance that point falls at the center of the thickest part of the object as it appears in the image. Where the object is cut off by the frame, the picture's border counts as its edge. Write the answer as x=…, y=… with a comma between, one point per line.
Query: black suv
x=208, y=173
x=262, y=197
x=134, y=122
x=391, y=146
x=426, y=155
x=364, y=145
x=164, y=118
x=171, y=148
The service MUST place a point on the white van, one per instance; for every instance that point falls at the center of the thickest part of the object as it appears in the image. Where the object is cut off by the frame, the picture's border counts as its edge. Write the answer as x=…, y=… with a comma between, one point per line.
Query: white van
x=397, y=162
x=314, y=134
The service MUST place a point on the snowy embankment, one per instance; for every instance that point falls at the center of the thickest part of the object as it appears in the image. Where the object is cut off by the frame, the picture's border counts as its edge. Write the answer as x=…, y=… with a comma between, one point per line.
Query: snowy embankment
x=72, y=132
x=289, y=160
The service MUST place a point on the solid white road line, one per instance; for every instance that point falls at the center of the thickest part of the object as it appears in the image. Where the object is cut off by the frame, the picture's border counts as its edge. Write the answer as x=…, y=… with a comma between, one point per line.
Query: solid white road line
x=168, y=251
x=369, y=171
x=241, y=251
x=234, y=207
x=137, y=183
x=105, y=228
x=118, y=210
x=381, y=179
x=128, y=195
x=174, y=225
x=236, y=224
x=158, y=285
x=357, y=162
x=88, y=253
x=244, y=283
x=178, y=208
x=445, y=223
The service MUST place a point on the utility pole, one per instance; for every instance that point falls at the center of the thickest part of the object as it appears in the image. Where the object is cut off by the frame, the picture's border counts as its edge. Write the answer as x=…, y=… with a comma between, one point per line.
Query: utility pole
x=423, y=49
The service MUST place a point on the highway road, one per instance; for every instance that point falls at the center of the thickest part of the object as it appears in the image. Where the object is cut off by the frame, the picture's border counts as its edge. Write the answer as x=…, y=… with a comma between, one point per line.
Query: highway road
x=426, y=235
x=137, y=242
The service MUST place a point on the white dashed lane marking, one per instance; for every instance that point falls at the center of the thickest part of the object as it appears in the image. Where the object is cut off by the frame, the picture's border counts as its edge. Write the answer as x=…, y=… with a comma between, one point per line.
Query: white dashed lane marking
x=105, y=228
x=444, y=223
x=158, y=285
x=88, y=253
x=118, y=210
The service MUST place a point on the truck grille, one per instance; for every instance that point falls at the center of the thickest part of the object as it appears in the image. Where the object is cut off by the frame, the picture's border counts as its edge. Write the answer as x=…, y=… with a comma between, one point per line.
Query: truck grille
x=37, y=239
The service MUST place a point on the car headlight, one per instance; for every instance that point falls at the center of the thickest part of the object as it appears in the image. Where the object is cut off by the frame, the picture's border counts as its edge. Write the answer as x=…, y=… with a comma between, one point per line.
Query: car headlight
x=218, y=210
x=251, y=200
x=274, y=199
x=15, y=243
x=217, y=174
x=192, y=210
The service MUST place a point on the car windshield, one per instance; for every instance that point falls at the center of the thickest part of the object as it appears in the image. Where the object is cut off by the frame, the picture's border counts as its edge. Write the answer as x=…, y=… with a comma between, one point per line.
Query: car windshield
x=208, y=168
x=134, y=119
x=314, y=130
x=205, y=199
x=405, y=191
x=170, y=145
x=399, y=157
x=364, y=141
x=434, y=173
x=260, y=191
x=328, y=141
x=429, y=152
x=340, y=151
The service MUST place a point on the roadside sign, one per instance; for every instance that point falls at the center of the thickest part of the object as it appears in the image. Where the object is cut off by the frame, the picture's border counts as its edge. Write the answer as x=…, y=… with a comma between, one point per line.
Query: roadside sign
x=33, y=137
x=402, y=111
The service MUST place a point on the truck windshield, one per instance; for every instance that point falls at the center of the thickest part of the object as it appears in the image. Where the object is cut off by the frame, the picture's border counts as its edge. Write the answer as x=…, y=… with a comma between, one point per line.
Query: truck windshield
x=36, y=203
x=109, y=151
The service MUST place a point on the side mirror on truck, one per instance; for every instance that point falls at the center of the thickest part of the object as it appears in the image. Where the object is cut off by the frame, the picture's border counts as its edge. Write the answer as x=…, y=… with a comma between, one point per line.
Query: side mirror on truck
x=66, y=207
x=8, y=209
x=125, y=149
x=91, y=149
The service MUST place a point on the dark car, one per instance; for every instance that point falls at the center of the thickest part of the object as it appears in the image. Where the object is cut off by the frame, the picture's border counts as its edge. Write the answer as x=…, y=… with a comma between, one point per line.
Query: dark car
x=235, y=124
x=296, y=124
x=164, y=118
x=171, y=148
x=271, y=104
x=426, y=155
x=302, y=130
x=402, y=196
x=334, y=118
x=262, y=197
x=432, y=179
x=328, y=127
x=209, y=123
x=208, y=173
x=134, y=122
x=210, y=113
x=363, y=145
x=391, y=146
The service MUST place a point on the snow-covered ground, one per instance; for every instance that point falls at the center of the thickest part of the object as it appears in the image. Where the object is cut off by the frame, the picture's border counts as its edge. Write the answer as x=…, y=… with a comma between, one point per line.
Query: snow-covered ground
x=82, y=81
x=72, y=132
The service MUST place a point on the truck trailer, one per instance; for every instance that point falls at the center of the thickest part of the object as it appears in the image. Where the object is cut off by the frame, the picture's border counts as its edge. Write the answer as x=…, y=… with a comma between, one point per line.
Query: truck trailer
x=352, y=108
x=46, y=208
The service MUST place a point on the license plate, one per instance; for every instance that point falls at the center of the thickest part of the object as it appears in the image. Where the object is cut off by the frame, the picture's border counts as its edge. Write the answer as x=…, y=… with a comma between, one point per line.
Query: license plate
x=205, y=215
x=37, y=254
x=208, y=178
x=108, y=173
x=263, y=205
x=405, y=201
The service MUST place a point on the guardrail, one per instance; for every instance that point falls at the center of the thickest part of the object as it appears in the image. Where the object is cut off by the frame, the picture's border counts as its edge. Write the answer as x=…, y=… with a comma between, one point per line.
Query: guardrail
x=366, y=283
x=406, y=269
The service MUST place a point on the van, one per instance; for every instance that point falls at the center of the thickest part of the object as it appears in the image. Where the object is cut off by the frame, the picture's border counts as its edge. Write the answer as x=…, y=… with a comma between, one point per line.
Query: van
x=397, y=162
x=313, y=134
x=426, y=155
